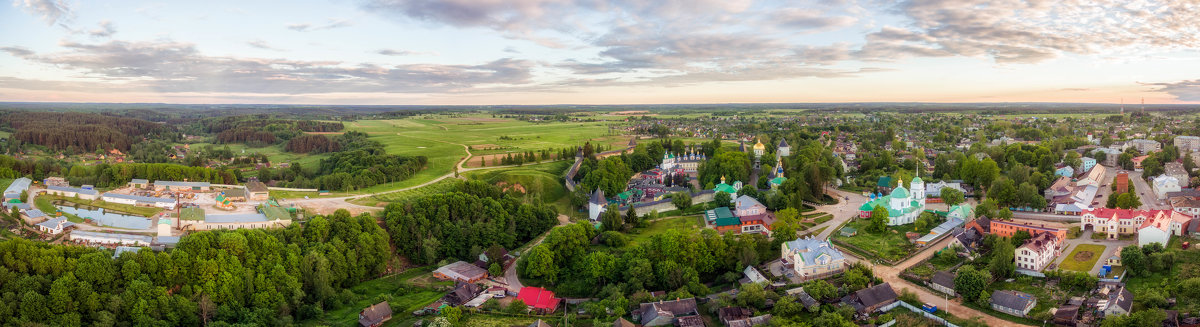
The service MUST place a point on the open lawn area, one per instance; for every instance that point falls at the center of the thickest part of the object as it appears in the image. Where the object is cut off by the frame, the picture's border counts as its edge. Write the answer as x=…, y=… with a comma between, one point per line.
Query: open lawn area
x=43, y=203
x=890, y=245
x=544, y=179
x=124, y=208
x=1083, y=257
x=441, y=138
x=274, y=153
x=1187, y=265
x=662, y=225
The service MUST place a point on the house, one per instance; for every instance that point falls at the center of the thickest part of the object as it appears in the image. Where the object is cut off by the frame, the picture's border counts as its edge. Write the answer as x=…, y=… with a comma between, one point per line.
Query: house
x=762, y=320
x=1115, y=222
x=807, y=300
x=666, y=312
x=460, y=271
x=539, y=300
x=621, y=322
x=1156, y=229
x=462, y=293
x=257, y=191
x=935, y=189
x=1163, y=184
x=1013, y=302
x=1094, y=177
x=1137, y=162
x=237, y=194
x=902, y=205
x=942, y=281
x=1037, y=252
x=1008, y=229
x=70, y=192
x=728, y=314
x=1188, y=205
x=54, y=226
x=867, y=300
x=375, y=315
x=18, y=186
x=596, y=204
x=1114, y=300
x=138, y=183
x=812, y=258
x=1065, y=171
x=753, y=276
x=1066, y=315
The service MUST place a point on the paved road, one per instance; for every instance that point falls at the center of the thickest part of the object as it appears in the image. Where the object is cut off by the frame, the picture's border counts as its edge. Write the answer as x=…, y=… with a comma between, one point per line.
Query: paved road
x=1149, y=199
x=1110, y=248
x=843, y=211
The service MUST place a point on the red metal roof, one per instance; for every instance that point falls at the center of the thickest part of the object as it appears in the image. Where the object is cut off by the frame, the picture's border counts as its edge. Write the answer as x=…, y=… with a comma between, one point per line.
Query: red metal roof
x=539, y=298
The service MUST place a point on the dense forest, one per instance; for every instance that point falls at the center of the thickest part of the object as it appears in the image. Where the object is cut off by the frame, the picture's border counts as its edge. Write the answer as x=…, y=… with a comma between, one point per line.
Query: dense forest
x=79, y=132
x=260, y=130
x=246, y=135
x=462, y=224
x=311, y=144
x=249, y=277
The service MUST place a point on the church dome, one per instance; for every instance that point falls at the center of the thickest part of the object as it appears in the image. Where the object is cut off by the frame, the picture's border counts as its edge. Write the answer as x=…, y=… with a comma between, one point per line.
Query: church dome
x=900, y=192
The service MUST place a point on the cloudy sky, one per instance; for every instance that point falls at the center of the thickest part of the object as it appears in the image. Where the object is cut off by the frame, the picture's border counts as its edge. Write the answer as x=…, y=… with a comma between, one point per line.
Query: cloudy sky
x=599, y=51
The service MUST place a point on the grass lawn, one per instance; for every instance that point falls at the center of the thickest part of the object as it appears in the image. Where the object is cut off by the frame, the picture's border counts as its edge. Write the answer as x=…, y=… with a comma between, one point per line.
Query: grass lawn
x=124, y=208
x=544, y=179
x=662, y=225
x=42, y=203
x=440, y=138
x=1045, y=297
x=1187, y=262
x=494, y=320
x=1079, y=258
x=442, y=186
x=890, y=245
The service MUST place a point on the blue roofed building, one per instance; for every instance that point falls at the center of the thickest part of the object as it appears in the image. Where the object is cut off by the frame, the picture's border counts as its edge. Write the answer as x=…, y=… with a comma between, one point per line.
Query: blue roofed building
x=16, y=187
x=810, y=258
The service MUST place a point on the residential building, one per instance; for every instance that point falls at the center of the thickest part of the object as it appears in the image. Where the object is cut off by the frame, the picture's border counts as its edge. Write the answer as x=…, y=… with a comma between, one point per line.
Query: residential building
x=1087, y=163
x=1037, y=252
x=1163, y=184
x=870, y=299
x=1144, y=146
x=70, y=192
x=461, y=271
x=942, y=281
x=1116, y=222
x=1013, y=302
x=1188, y=205
x=753, y=276
x=903, y=206
x=1156, y=229
x=1094, y=177
x=257, y=191
x=752, y=215
x=1175, y=169
x=935, y=189
x=375, y=315
x=812, y=258
x=1137, y=162
x=1186, y=143
x=1110, y=156
x=18, y=186
x=1008, y=229
x=539, y=300
x=667, y=312
x=1115, y=299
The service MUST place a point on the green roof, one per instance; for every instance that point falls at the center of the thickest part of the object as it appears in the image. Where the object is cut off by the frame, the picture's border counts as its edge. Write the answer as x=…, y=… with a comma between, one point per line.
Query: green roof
x=731, y=221
x=191, y=214
x=725, y=188
x=276, y=213
x=885, y=181
x=900, y=192
x=778, y=180
x=623, y=195
x=866, y=207
x=917, y=180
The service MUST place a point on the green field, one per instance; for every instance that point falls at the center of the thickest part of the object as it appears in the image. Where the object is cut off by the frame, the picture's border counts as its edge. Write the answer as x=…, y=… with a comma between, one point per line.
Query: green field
x=442, y=139
x=404, y=298
x=545, y=179
x=1070, y=263
x=274, y=153
x=442, y=186
x=662, y=225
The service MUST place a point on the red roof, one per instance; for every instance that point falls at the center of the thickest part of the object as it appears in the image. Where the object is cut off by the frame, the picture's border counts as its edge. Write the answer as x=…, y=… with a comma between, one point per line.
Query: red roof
x=1119, y=213
x=539, y=298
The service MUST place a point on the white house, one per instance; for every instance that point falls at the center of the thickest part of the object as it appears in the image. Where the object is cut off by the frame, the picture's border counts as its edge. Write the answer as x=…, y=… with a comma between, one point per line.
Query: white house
x=1156, y=229
x=147, y=201
x=110, y=238
x=70, y=192
x=1037, y=252
x=812, y=258
x=55, y=226
x=935, y=189
x=1164, y=184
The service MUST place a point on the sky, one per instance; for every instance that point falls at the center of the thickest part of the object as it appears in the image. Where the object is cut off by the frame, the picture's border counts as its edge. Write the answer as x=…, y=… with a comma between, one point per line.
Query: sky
x=537, y=52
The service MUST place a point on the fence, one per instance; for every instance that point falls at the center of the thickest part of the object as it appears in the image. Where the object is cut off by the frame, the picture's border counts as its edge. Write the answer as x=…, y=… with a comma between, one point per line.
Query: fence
x=912, y=308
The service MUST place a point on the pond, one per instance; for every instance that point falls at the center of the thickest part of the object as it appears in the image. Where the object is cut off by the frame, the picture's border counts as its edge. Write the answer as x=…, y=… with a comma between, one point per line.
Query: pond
x=107, y=218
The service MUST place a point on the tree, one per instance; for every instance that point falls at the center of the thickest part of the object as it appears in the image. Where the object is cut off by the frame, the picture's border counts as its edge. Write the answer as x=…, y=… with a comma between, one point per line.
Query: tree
x=722, y=199
x=952, y=196
x=1004, y=214
x=452, y=314
x=1134, y=260
x=539, y=263
x=879, y=219
x=517, y=307
x=495, y=269
x=681, y=200
x=970, y=282
x=1128, y=200
x=1002, y=265
x=820, y=289
x=1020, y=237
x=611, y=218
x=631, y=217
